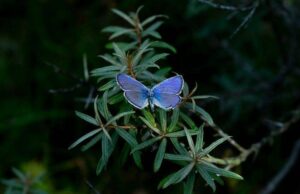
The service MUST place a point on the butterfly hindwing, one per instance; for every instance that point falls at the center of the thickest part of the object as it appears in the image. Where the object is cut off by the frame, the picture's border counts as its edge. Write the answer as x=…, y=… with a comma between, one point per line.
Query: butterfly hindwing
x=137, y=99
x=134, y=91
x=166, y=101
x=166, y=94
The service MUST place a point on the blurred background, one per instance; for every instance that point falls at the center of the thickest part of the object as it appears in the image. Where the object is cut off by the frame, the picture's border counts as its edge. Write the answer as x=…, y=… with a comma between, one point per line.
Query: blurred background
x=255, y=72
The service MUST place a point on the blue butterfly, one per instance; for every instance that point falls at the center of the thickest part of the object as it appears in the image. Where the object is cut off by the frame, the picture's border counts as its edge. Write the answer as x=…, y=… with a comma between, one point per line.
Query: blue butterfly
x=164, y=95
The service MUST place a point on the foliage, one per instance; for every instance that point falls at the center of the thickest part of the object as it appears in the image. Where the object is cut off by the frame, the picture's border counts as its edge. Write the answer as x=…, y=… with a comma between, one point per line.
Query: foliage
x=171, y=134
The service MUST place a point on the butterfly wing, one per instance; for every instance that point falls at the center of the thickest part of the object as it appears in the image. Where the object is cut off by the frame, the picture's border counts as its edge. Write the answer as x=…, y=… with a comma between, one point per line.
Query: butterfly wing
x=166, y=94
x=166, y=101
x=134, y=91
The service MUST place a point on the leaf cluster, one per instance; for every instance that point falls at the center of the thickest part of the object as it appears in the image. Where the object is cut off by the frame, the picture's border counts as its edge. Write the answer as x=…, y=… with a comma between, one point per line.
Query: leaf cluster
x=174, y=135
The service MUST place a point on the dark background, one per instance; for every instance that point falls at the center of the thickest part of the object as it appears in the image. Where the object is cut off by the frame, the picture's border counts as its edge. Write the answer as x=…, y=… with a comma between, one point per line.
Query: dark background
x=255, y=74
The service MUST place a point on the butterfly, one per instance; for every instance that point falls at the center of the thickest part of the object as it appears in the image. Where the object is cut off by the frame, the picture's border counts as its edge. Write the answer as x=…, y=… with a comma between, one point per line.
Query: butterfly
x=164, y=95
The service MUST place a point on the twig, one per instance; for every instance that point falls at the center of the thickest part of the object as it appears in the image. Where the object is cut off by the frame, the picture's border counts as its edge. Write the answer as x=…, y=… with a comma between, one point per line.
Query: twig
x=92, y=187
x=225, y=7
x=245, y=20
x=283, y=172
x=230, y=140
x=255, y=147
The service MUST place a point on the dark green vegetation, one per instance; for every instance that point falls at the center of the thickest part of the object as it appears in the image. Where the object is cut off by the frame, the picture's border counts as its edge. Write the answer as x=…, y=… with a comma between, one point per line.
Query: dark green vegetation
x=255, y=73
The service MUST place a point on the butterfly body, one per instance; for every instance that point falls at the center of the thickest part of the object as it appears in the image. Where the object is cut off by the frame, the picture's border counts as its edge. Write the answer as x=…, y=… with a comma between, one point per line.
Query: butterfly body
x=164, y=95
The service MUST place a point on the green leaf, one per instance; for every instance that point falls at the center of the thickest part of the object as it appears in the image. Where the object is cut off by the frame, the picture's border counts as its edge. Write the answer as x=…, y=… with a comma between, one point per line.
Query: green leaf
x=124, y=16
x=188, y=120
x=219, y=171
x=205, y=175
x=199, y=141
x=212, y=146
x=189, y=184
x=161, y=44
x=163, y=119
x=150, y=125
x=87, y=118
x=204, y=115
x=118, y=116
x=174, y=120
x=151, y=19
x=122, y=32
x=92, y=142
x=132, y=142
x=153, y=59
x=108, y=85
x=190, y=141
x=152, y=28
x=127, y=137
x=181, y=133
x=176, y=177
x=144, y=48
x=145, y=144
x=103, y=106
x=176, y=157
x=160, y=155
x=120, y=54
x=109, y=149
x=19, y=174
x=110, y=59
x=115, y=99
x=204, y=97
x=106, y=70
x=84, y=137
x=178, y=147
x=125, y=46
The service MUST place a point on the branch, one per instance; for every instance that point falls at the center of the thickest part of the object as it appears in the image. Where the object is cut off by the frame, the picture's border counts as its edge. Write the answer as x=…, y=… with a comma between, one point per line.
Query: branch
x=283, y=172
x=226, y=7
x=255, y=147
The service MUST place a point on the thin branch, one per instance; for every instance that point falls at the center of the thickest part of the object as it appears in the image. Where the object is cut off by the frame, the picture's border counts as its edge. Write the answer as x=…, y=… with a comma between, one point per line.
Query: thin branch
x=255, y=147
x=226, y=7
x=245, y=20
x=283, y=172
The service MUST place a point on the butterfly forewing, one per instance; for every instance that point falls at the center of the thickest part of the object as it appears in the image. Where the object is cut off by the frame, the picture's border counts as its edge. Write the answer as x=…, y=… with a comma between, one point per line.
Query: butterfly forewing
x=172, y=85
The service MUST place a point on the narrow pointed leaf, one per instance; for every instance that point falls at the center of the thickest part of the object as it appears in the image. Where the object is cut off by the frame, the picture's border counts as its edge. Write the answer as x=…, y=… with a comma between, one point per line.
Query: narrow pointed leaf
x=178, y=147
x=118, y=116
x=190, y=140
x=84, y=137
x=205, y=175
x=176, y=157
x=151, y=19
x=161, y=44
x=226, y=173
x=145, y=144
x=108, y=85
x=176, y=177
x=189, y=184
x=204, y=97
x=87, y=118
x=174, y=120
x=92, y=142
x=124, y=16
x=188, y=120
x=212, y=146
x=150, y=125
x=163, y=119
x=160, y=154
x=199, y=140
